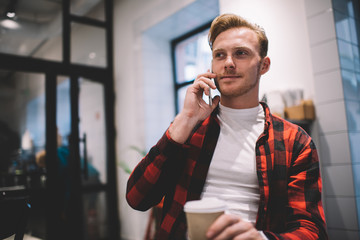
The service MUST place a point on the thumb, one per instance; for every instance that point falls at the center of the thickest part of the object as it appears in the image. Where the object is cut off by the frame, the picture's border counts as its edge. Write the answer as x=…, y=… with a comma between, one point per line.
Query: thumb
x=215, y=102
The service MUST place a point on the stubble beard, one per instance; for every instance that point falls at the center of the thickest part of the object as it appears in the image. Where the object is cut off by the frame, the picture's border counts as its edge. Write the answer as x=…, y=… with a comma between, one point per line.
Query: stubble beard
x=240, y=91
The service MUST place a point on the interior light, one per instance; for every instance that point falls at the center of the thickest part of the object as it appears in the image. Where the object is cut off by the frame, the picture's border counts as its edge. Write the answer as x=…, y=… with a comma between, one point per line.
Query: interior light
x=10, y=24
x=10, y=14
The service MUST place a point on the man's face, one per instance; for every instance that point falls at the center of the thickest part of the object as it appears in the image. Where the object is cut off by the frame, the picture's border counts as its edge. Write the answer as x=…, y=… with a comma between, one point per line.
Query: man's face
x=237, y=63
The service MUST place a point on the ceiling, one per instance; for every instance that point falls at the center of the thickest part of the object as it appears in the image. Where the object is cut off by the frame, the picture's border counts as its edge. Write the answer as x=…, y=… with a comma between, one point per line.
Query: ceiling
x=36, y=21
x=23, y=34
x=33, y=10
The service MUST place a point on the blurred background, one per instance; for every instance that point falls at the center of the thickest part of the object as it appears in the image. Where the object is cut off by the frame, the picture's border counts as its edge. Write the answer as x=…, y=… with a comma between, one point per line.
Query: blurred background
x=86, y=86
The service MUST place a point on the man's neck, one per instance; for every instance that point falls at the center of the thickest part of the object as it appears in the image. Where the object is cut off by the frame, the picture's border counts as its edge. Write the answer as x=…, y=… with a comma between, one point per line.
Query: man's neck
x=240, y=102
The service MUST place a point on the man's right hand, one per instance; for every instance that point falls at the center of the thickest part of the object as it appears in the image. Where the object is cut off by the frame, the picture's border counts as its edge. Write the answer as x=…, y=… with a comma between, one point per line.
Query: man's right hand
x=195, y=108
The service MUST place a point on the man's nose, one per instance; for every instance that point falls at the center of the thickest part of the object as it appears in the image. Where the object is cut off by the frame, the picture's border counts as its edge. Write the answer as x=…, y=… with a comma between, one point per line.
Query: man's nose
x=229, y=63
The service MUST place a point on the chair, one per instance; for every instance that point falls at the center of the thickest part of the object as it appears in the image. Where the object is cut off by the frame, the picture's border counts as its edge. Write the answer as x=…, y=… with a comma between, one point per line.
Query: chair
x=14, y=211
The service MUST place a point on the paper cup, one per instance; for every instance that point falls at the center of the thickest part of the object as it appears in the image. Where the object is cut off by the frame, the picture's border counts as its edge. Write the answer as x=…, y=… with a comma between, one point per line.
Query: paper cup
x=200, y=214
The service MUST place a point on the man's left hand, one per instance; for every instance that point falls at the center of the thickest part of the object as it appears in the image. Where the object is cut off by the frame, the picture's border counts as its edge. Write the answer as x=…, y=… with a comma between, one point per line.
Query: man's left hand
x=232, y=227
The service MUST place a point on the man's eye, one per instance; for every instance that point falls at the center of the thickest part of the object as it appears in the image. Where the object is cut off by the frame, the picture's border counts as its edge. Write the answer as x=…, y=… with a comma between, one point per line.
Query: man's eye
x=219, y=55
x=240, y=53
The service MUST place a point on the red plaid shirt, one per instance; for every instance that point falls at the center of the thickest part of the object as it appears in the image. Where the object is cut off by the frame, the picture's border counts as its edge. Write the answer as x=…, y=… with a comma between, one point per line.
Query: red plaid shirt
x=287, y=164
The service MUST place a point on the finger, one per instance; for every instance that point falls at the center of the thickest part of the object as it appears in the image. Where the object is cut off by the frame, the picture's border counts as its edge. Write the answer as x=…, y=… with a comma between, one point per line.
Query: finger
x=240, y=230
x=220, y=224
x=207, y=79
x=252, y=233
x=208, y=74
x=201, y=86
x=215, y=102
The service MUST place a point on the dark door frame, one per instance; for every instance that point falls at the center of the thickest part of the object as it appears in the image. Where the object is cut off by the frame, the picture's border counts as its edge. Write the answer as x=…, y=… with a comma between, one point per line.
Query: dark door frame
x=52, y=69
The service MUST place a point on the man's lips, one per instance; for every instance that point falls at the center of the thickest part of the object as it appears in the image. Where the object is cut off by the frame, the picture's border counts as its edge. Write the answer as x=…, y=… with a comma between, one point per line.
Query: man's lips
x=229, y=76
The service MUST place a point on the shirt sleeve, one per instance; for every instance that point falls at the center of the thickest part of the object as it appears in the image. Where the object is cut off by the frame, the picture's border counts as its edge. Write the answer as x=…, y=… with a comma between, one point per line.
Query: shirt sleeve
x=156, y=173
x=304, y=215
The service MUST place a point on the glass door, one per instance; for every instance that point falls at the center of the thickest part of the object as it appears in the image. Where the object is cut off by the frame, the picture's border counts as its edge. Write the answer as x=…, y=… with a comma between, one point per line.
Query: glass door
x=82, y=156
x=56, y=136
x=22, y=142
x=93, y=157
x=68, y=187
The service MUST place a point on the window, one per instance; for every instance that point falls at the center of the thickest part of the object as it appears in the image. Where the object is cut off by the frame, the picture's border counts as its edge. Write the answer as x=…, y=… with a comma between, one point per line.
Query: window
x=191, y=56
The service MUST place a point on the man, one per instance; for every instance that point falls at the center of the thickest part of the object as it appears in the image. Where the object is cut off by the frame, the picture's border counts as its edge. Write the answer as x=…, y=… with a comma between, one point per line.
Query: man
x=265, y=168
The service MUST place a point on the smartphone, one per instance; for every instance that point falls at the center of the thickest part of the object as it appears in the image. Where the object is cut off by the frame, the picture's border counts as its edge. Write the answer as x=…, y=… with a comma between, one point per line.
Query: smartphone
x=210, y=97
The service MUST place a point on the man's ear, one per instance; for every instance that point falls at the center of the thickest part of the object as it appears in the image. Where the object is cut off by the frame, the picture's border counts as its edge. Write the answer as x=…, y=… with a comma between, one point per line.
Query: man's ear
x=265, y=65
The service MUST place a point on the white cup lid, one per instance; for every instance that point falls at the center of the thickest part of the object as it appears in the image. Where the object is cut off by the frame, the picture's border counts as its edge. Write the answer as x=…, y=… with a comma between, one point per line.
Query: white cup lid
x=205, y=205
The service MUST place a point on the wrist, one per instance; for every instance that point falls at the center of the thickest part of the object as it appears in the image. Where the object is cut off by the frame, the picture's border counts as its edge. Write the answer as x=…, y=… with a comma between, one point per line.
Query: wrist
x=182, y=127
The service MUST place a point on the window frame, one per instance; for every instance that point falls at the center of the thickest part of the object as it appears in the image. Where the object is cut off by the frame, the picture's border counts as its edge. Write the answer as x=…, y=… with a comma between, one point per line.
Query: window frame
x=174, y=43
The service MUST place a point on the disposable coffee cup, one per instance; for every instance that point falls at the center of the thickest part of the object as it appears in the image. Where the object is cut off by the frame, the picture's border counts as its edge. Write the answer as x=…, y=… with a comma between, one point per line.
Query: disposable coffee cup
x=200, y=214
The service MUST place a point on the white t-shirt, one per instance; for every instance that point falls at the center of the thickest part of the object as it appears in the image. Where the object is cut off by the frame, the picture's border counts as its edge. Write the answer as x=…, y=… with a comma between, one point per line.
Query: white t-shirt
x=232, y=174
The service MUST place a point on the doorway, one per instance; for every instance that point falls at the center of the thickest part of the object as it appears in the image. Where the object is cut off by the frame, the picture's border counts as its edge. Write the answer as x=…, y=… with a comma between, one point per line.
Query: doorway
x=57, y=123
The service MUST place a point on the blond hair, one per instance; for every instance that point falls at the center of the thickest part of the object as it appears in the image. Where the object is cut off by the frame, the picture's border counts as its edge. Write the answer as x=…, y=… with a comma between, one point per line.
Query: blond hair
x=227, y=21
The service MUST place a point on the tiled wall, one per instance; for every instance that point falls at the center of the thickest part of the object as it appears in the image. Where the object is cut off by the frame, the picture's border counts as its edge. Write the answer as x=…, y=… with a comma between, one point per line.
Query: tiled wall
x=334, y=35
x=347, y=24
